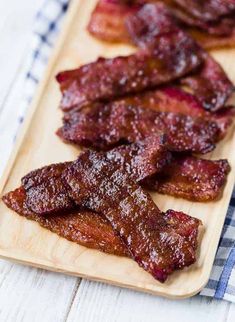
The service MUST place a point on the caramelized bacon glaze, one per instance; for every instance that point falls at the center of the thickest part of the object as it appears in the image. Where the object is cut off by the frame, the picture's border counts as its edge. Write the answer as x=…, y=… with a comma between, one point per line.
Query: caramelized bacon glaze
x=103, y=126
x=45, y=191
x=84, y=227
x=98, y=184
x=108, y=21
x=209, y=83
x=191, y=178
x=174, y=56
x=92, y=230
x=210, y=10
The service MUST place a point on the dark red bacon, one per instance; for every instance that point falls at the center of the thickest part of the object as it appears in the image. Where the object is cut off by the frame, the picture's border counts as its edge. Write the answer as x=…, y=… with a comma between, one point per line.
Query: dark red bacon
x=46, y=194
x=221, y=28
x=174, y=56
x=45, y=191
x=174, y=99
x=191, y=178
x=210, y=10
x=105, y=126
x=209, y=34
x=84, y=227
x=208, y=41
x=92, y=230
x=211, y=85
x=148, y=23
x=102, y=27
x=100, y=185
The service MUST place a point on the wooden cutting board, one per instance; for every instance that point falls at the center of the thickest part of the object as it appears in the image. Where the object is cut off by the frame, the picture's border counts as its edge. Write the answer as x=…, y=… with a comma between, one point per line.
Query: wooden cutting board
x=26, y=242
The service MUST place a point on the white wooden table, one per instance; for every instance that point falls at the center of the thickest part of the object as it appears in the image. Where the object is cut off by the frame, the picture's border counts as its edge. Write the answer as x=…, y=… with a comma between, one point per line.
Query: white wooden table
x=29, y=294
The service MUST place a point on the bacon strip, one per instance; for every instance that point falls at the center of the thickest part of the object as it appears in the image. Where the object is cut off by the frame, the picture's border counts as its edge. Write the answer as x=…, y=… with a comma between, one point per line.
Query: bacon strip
x=105, y=126
x=191, y=178
x=208, y=41
x=175, y=55
x=92, y=230
x=84, y=227
x=149, y=22
x=210, y=83
x=209, y=10
x=114, y=30
x=174, y=99
x=45, y=191
x=46, y=194
x=208, y=34
x=100, y=185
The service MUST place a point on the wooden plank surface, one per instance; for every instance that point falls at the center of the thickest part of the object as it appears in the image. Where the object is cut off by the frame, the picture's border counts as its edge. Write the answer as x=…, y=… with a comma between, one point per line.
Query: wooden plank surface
x=102, y=303
x=26, y=241
x=91, y=297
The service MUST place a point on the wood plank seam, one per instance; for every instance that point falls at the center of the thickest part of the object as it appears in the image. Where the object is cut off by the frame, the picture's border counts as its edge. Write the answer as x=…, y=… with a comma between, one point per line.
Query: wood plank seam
x=76, y=287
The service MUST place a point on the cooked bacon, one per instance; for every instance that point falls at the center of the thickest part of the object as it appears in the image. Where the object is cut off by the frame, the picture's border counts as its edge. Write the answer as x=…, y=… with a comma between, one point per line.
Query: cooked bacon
x=209, y=34
x=211, y=85
x=45, y=191
x=211, y=41
x=191, y=178
x=105, y=126
x=143, y=158
x=148, y=23
x=175, y=55
x=100, y=185
x=84, y=227
x=174, y=99
x=210, y=10
x=223, y=27
x=92, y=230
x=102, y=27
x=46, y=194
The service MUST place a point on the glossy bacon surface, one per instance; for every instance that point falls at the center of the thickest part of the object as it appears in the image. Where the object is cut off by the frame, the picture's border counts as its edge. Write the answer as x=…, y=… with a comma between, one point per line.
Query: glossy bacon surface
x=212, y=41
x=100, y=185
x=221, y=27
x=114, y=30
x=211, y=85
x=209, y=34
x=46, y=194
x=149, y=22
x=45, y=191
x=80, y=226
x=209, y=10
x=174, y=99
x=175, y=55
x=191, y=178
x=92, y=230
x=105, y=126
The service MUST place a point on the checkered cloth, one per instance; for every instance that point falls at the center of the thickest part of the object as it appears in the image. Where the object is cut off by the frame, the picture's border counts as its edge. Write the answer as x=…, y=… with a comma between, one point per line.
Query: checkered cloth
x=47, y=25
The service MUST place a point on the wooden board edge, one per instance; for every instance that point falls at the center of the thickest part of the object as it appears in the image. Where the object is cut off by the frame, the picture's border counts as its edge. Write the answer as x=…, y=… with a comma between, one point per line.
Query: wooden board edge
x=41, y=265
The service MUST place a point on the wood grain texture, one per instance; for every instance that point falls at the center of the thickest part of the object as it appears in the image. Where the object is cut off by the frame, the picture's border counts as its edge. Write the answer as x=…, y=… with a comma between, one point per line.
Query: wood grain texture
x=34, y=295
x=26, y=242
x=102, y=303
